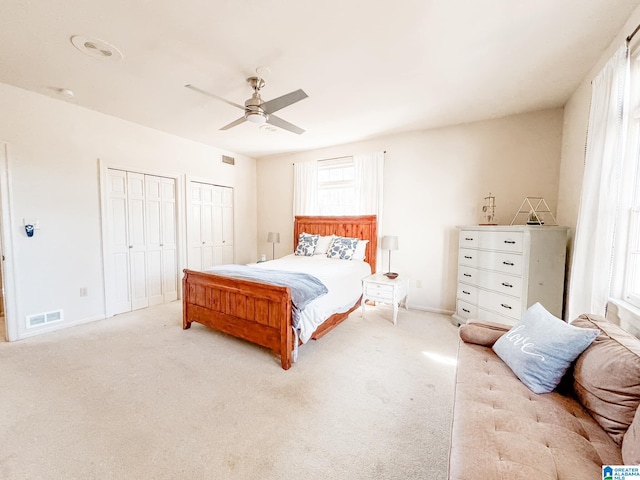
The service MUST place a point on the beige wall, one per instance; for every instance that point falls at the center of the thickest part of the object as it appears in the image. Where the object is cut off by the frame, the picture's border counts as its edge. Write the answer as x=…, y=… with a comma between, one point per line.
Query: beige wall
x=434, y=181
x=54, y=148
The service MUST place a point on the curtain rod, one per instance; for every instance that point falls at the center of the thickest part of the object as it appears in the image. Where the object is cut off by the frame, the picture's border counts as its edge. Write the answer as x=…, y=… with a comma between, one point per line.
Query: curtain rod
x=335, y=158
x=633, y=34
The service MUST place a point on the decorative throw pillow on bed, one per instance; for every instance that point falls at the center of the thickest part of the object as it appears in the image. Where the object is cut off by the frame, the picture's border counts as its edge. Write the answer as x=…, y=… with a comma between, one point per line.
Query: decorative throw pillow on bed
x=343, y=248
x=324, y=242
x=540, y=348
x=361, y=250
x=306, y=244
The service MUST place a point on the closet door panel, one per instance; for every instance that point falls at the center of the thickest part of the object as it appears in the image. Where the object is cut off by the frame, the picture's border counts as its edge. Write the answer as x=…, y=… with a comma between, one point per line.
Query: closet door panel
x=195, y=232
x=227, y=225
x=118, y=291
x=169, y=275
x=153, y=204
x=154, y=277
x=169, y=243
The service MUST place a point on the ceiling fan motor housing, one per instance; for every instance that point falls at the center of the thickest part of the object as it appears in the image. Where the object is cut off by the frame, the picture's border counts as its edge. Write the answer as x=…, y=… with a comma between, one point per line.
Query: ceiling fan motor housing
x=253, y=110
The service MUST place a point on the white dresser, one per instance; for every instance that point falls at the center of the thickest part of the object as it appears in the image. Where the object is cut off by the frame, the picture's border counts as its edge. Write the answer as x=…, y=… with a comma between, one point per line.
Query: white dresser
x=503, y=270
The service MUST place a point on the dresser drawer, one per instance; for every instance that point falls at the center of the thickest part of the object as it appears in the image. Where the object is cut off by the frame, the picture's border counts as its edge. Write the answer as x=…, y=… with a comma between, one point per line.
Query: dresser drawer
x=468, y=293
x=483, y=314
x=378, y=291
x=501, y=261
x=469, y=239
x=469, y=257
x=466, y=310
x=468, y=275
x=503, y=283
x=504, y=241
x=503, y=304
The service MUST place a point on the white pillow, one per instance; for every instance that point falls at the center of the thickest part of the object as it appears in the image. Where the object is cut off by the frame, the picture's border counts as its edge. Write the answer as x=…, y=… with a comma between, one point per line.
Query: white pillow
x=324, y=242
x=361, y=250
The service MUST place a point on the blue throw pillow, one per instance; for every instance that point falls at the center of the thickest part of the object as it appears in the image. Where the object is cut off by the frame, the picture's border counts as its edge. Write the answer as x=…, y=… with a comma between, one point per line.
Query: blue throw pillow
x=343, y=248
x=306, y=244
x=540, y=348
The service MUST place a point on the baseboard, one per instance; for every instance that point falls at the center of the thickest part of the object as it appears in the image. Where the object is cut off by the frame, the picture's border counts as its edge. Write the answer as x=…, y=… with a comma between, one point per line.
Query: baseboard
x=59, y=326
x=430, y=309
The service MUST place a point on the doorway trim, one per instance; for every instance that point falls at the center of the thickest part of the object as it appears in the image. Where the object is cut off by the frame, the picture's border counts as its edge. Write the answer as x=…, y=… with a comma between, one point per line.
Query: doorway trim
x=6, y=247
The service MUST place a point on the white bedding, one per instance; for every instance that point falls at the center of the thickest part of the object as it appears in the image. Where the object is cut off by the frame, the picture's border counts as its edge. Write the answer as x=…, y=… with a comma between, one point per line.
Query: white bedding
x=343, y=279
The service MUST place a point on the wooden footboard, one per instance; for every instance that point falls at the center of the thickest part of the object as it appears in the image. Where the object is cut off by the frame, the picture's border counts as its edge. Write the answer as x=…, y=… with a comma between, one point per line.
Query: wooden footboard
x=257, y=312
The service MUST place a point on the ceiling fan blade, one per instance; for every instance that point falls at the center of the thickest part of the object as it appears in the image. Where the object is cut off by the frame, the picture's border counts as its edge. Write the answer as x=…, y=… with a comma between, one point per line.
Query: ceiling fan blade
x=234, y=123
x=278, y=122
x=196, y=89
x=284, y=101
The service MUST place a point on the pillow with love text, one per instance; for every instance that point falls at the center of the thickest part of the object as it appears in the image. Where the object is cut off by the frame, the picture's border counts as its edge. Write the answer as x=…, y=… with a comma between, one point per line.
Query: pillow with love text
x=540, y=348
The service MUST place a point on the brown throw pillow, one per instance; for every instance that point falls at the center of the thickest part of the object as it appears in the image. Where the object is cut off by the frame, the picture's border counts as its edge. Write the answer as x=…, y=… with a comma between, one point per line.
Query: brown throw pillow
x=482, y=332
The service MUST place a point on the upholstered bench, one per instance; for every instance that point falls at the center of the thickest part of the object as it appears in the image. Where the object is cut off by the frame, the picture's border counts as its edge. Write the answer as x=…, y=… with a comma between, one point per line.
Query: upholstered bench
x=501, y=429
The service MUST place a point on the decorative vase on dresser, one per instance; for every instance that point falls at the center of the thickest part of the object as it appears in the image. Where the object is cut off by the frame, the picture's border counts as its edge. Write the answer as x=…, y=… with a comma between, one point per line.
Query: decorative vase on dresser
x=503, y=270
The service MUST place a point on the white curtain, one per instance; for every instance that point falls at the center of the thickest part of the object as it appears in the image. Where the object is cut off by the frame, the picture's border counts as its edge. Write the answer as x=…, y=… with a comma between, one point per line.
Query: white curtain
x=305, y=188
x=590, y=277
x=369, y=169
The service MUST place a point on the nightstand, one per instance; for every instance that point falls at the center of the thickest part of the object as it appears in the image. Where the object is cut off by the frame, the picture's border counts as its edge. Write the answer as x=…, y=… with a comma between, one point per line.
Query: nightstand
x=381, y=289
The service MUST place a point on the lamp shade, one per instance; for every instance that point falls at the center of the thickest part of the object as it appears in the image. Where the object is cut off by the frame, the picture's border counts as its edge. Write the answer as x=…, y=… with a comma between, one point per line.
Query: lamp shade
x=389, y=242
x=273, y=237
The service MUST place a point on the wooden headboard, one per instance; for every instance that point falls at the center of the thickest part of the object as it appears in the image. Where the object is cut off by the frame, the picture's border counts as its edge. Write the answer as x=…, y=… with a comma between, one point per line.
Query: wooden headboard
x=362, y=226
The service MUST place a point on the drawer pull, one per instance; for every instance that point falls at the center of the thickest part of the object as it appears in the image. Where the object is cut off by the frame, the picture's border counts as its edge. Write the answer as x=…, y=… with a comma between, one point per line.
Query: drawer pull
x=466, y=293
x=468, y=257
x=504, y=305
x=469, y=239
x=512, y=242
x=467, y=274
x=505, y=284
x=466, y=311
x=508, y=263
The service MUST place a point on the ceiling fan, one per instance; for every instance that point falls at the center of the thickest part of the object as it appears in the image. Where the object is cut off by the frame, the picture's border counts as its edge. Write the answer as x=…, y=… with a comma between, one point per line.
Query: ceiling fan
x=257, y=110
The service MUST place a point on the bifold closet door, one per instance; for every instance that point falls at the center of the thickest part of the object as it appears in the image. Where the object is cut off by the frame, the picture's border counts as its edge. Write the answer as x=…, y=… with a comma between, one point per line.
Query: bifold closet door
x=210, y=225
x=223, y=220
x=142, y=246
x=118, y=291
x=160, y=201
x=137, y=240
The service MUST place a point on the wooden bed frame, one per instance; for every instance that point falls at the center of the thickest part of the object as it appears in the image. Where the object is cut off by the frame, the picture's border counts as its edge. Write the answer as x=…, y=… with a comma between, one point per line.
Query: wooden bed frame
x=261, y=313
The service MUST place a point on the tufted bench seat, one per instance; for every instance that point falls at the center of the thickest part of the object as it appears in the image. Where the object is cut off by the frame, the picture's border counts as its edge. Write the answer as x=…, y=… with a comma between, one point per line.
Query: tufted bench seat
x=502, y=430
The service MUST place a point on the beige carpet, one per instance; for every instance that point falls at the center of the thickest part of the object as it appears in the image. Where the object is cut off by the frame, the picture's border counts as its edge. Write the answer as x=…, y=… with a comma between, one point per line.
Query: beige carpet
x=136, y=397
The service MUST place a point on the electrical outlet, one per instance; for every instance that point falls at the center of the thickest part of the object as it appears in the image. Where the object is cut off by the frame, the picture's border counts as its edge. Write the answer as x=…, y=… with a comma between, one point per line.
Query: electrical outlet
x=418, y=283
x=83, y=292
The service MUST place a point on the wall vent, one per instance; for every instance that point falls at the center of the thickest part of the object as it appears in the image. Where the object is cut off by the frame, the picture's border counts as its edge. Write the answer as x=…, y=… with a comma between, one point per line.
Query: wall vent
x=40, y=319
x=228, y=159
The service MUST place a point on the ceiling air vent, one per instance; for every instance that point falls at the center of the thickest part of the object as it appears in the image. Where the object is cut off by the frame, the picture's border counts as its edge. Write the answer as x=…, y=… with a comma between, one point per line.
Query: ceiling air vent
x=228, y=159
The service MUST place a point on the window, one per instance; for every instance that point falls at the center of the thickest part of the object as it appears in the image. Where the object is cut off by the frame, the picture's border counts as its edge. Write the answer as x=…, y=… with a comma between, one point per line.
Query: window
x=629, y=222
x=337, y=187
x=350, y=185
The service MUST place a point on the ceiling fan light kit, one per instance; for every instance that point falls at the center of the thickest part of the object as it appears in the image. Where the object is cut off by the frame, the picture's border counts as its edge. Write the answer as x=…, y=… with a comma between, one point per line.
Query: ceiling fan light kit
x=258, y=111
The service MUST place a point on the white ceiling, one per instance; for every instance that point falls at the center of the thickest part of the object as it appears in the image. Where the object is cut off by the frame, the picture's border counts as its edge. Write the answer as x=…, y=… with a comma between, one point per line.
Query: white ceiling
x=369, y=68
